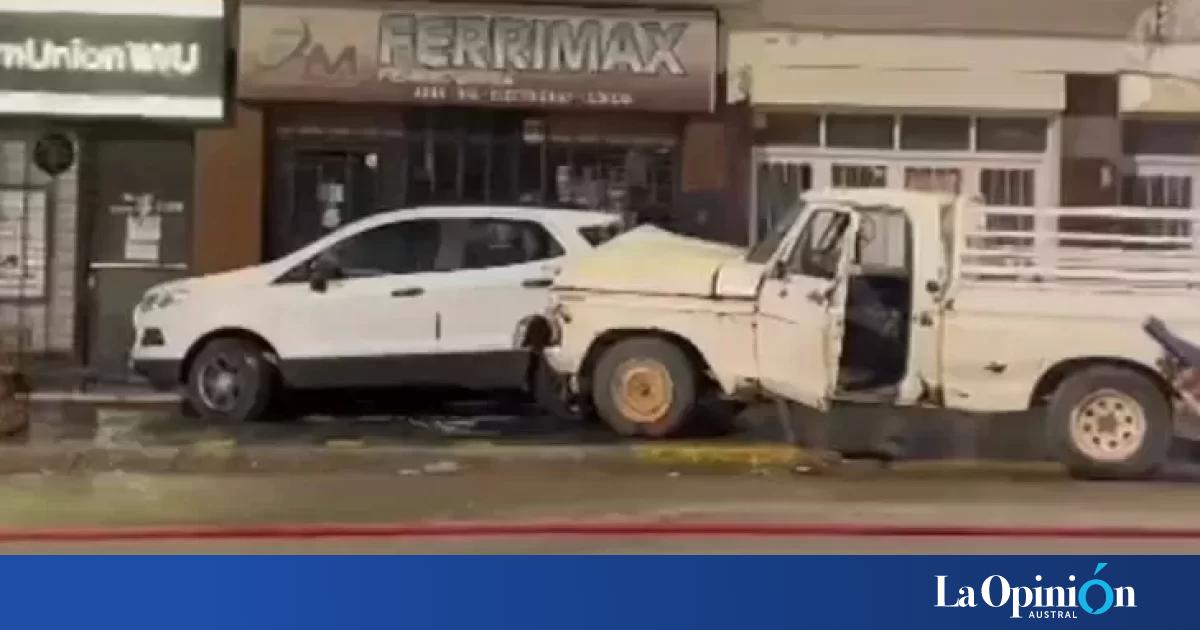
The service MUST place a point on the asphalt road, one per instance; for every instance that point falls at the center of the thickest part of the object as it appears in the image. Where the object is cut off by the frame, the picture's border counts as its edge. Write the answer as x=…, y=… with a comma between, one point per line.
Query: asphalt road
x=538, y=493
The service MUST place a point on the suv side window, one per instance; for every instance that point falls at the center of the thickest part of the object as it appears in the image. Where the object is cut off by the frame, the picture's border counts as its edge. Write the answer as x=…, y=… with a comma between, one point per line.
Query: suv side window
x=396, y=248
x=818, y=250
x=503, y=242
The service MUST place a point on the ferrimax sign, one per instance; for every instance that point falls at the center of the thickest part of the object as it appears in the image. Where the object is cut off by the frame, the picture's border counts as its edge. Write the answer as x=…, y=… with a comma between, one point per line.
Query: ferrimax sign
x=552, y=56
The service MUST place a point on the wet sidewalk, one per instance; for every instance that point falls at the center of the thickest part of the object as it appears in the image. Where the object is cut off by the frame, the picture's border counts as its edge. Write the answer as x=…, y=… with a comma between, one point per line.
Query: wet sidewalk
x=157, y=437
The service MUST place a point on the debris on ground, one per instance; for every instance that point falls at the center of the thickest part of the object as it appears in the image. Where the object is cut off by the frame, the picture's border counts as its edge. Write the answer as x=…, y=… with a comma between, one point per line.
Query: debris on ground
x=442, y=468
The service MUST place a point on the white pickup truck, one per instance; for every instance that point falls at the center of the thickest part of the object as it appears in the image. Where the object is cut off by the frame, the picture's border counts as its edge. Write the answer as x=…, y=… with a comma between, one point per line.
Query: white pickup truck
x=899, y=298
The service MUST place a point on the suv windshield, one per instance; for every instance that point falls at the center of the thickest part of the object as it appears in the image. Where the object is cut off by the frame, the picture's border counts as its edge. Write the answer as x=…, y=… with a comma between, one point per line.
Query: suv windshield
x=762, y=251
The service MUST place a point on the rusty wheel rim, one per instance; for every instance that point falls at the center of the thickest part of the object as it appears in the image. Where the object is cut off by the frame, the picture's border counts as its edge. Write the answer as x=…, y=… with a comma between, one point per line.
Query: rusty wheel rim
x=1108, y=426
x=643, y=390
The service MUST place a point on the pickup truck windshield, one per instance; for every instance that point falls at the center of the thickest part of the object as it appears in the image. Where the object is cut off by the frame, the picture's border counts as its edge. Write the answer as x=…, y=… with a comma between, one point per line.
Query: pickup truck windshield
x=761, y=252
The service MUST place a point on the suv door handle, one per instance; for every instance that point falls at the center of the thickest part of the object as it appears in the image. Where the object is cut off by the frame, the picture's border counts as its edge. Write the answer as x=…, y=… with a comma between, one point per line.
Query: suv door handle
x=817, y=297
x=537, y=283
x=409, y=292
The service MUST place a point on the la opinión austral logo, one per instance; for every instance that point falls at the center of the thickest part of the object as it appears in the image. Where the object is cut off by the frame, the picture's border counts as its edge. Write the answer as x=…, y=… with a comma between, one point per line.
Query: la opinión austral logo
x=1040, y=600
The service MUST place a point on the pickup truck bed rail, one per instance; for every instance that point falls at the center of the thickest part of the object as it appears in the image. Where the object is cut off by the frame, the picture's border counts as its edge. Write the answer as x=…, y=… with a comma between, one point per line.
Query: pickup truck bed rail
x=1137, y=247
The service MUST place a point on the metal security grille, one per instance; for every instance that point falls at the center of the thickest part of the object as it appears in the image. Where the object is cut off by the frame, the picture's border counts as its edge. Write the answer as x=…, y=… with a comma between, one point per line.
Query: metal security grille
x=1008, y=187
x=1157, y=191
x=23, y=264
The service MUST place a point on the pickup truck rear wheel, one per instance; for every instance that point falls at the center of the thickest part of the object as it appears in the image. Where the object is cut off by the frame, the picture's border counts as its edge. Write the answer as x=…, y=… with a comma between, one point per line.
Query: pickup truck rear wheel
x=644, y=386
x=1110, y=423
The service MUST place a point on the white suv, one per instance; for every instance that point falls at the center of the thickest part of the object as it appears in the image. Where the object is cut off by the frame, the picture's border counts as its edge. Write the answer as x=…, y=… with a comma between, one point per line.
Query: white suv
x=428, y=296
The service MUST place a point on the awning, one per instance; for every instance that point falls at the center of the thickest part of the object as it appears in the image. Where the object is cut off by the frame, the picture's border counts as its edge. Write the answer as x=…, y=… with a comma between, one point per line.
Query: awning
x=906, y=89
x=171, y=8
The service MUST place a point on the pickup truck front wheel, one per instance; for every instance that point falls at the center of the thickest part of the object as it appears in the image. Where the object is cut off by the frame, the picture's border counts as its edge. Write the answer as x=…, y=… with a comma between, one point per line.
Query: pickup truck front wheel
x=1110, y=423
x=644, y=386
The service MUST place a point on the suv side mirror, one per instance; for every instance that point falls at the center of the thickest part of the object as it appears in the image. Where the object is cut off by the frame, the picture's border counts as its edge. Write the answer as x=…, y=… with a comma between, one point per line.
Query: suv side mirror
x=322, y=270
x=779, y=270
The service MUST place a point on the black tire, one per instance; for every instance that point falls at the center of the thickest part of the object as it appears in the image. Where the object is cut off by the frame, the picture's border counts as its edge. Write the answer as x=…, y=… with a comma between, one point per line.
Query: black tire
x=252, y=379
x=1118, y=399
x=667, y=416
x=550, y=393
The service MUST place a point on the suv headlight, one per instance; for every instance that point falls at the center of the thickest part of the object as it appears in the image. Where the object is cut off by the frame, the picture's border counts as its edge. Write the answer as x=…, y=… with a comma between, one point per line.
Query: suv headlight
x=161, y=298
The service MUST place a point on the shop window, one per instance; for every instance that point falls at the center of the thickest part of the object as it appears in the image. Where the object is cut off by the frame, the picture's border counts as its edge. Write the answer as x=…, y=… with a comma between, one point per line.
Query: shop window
x=941, y=133
x=1011, y=134
x=530, y=173
x=504, y=166
x=859, y=176
x=851, y=131
x=446, y=146
x=1145, y=137
x=475, y=166
x=948, y=180
x=622, y=178
x=793, y=129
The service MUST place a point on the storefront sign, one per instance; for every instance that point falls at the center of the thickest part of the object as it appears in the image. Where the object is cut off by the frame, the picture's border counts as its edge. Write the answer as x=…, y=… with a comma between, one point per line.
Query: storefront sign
x=113, y=59
x=516, y=56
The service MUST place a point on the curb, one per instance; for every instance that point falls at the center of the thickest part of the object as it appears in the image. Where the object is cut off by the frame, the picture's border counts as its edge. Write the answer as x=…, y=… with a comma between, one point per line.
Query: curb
x=755, y=456
x=583, y=529
x=134, y=398
x=226, y=456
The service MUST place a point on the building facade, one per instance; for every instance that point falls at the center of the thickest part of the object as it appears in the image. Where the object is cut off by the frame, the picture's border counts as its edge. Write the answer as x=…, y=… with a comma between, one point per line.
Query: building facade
x=1021, y=103
x=98, y=103
x=348, y=108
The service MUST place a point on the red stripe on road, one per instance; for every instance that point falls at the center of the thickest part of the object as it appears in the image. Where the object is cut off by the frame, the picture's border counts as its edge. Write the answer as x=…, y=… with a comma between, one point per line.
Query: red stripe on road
x=617, y=529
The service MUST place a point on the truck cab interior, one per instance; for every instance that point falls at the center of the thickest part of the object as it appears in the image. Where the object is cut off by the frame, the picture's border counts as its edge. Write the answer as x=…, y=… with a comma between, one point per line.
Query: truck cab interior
x=878, y=306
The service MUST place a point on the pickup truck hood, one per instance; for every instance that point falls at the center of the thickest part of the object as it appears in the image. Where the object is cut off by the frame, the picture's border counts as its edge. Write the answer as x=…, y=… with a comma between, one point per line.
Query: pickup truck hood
x=652, y=261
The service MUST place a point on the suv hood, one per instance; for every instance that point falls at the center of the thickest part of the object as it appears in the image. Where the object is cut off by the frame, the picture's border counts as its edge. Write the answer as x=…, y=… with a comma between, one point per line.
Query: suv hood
x=237, y=278
x=652, y=261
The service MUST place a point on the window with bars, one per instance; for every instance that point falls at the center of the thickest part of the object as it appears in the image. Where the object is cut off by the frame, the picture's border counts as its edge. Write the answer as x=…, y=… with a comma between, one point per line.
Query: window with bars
x=1157, y=191
x=933, y=179
x=859, y=176
x=1008, y=187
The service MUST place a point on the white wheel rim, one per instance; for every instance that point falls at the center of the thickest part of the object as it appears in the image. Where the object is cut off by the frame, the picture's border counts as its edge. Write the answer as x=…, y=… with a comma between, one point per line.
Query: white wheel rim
x=1108, y=426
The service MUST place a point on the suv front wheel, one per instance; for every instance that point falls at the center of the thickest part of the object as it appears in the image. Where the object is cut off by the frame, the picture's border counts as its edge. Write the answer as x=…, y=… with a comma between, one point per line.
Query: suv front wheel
x=230, y=380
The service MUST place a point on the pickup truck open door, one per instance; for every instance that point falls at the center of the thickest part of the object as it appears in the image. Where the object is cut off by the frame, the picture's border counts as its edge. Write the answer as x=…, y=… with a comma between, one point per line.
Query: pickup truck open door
x=801, y=308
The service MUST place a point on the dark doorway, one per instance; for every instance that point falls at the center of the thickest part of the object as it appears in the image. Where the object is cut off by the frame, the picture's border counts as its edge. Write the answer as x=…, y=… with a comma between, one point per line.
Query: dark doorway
x=139, y=233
